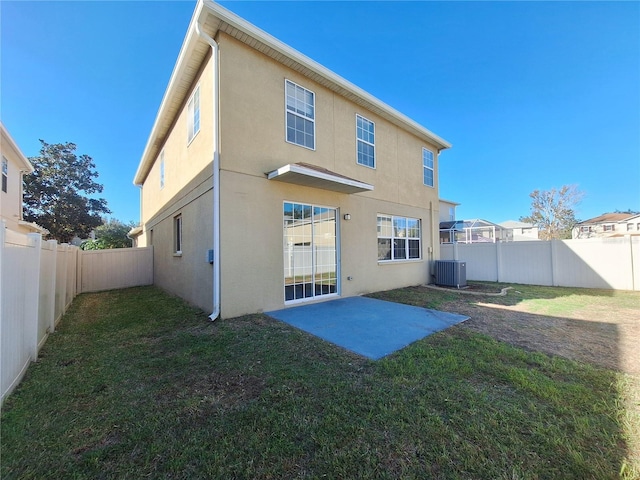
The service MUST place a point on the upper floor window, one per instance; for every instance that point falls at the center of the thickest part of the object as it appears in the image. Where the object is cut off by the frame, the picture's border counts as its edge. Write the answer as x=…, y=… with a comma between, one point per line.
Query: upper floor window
x=5, y=174
x=193, y=114
x=398, y=238
x=585, y=229
x=162, y=169
x=300, y=105
x=629, y=227
x=609, y=228
x=452, y=214
x=427, y=167
x=365, y=138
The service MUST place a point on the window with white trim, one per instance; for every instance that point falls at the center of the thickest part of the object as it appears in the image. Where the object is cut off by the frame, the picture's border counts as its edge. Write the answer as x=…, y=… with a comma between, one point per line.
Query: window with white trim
x=427, y=167
x=452, y=214
x=5, y=174
x=398, y=238
x=365, y=139
x=177, y=235
x=162, y=170
x=193, y=114
x=301, y=114
x=609, y=228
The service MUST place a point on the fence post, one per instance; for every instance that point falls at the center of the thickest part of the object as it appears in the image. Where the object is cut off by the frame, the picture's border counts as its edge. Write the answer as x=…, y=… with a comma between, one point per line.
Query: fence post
x=79, y=272
x=63, y=292
x=498, y=261
x=53, y=244
x=553, y=243
x=33, y=299
x=633, y=273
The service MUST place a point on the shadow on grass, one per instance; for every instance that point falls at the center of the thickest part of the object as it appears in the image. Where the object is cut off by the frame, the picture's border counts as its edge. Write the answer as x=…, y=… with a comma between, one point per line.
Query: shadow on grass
x=136, y=383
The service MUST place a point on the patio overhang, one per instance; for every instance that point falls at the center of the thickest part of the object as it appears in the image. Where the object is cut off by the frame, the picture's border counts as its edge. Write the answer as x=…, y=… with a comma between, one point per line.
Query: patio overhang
x=317, y=177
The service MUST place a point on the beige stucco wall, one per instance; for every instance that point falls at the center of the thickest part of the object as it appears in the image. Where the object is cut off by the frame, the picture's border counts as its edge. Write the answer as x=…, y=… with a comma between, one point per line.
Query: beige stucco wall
x=252, y=90
x=252, y=111
x=252, y=242
x=11, y=200
x=183, y=159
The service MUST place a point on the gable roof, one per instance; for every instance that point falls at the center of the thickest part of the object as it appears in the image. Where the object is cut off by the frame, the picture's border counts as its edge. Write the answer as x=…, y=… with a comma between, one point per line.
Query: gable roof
x=7, y=140
x=516, y=224
x=213, y=18
x=609, y=218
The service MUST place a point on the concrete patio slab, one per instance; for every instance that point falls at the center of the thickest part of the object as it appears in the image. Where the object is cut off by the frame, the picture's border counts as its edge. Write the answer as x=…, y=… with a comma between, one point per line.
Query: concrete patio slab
x=367, y=326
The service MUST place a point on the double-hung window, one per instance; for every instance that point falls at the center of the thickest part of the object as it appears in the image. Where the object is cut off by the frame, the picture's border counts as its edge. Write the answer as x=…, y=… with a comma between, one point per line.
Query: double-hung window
x=398, y=238
x=365, y=138
x=193, y=113
x=301, y=114
x=427, y=167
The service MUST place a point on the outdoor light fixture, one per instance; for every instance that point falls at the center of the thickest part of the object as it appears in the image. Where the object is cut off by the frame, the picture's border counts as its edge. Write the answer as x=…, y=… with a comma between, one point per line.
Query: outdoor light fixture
x=347, y=216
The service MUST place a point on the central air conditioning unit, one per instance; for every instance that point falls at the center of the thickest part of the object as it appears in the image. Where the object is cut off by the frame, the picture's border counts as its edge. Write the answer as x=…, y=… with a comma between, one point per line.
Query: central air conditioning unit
x=451, y=273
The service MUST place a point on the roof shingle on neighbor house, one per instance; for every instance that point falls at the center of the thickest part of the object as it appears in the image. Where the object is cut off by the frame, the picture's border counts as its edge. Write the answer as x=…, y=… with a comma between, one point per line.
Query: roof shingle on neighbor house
x=608, y=225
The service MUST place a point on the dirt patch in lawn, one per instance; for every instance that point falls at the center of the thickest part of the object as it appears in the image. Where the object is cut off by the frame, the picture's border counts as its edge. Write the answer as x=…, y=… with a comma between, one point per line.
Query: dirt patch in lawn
x=602, y=335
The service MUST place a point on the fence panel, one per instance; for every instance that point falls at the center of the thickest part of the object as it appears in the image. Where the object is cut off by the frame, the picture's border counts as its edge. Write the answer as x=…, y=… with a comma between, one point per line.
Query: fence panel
x=116, y=268
x=38, y=282
x=46, y=292
x=18, y=311
x=595, y=263
x=480, y=257
x=526, y=262
x=60, y=293
x=612, y=263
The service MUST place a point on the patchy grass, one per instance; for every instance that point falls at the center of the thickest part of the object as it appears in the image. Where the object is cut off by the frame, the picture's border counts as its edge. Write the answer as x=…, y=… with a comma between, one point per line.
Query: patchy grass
x=137, y=384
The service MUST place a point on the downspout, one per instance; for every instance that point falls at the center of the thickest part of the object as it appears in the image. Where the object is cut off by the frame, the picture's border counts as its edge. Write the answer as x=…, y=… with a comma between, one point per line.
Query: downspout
x=216, y=172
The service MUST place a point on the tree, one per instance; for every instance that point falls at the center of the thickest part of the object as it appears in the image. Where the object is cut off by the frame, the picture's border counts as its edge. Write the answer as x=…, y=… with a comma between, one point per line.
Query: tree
x=552, y=211
x=111, y=234
x=53, y=193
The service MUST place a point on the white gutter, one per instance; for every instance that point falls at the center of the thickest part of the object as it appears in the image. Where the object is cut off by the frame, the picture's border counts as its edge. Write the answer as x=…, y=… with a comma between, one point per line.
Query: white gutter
x=216, y=171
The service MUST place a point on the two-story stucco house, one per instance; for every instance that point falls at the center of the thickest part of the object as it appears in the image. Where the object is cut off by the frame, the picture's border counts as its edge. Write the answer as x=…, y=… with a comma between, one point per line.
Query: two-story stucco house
x=608, y=225
x=268, y=180
x=14, y=166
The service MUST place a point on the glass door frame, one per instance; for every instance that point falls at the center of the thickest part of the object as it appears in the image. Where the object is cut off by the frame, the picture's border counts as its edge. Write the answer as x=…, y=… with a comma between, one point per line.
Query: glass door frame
x=314, y=264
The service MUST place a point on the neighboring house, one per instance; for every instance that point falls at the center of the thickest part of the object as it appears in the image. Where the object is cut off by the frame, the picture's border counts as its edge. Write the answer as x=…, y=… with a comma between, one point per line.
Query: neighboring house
x=14, y=166
x=473, y=231
x=520, y=231
x=447, y=210
x=268, y=180
x=608, y=225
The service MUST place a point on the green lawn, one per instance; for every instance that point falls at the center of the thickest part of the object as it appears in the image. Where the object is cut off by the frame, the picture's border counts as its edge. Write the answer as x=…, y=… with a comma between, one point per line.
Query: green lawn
x=135, y=384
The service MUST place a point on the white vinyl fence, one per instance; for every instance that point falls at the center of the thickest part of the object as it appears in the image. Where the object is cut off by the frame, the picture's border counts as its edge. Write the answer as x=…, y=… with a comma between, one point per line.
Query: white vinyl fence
x=39, y=280
x=611, y=263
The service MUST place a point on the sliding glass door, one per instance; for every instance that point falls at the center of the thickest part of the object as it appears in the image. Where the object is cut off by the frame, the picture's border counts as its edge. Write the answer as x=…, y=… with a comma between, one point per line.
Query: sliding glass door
x=310, y=251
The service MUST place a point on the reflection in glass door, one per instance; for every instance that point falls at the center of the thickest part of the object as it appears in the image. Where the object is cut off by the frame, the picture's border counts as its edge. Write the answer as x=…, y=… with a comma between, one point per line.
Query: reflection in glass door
x=310, y=252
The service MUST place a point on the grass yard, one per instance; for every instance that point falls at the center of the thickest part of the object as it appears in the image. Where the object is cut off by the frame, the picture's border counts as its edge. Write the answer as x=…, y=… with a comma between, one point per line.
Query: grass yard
x=137, y=384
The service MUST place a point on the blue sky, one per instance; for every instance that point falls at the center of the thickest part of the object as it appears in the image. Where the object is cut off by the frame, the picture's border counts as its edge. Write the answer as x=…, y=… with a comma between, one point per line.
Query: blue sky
x=532, y=95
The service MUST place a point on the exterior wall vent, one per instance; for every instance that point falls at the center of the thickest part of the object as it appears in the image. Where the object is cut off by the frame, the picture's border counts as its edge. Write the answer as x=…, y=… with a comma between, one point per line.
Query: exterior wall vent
x=451, y=273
